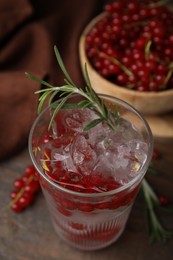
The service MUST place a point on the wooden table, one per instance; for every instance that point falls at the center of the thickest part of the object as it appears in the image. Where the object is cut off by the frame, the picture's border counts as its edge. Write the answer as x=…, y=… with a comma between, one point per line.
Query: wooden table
x=30, y=235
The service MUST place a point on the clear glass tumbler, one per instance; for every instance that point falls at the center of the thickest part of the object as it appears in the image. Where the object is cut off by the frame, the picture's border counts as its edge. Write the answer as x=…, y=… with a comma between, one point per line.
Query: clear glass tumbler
x=89, y=221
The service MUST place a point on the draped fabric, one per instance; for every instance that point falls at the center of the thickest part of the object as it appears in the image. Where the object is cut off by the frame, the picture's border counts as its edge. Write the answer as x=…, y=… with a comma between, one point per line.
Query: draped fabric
x=28, y=32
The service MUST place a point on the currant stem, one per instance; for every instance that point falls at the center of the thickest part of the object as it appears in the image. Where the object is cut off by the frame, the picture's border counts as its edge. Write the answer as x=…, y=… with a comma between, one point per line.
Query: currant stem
x=118, y=63
x=158, y=4
x=148, y=49
x=19, y=194
x=168, y=76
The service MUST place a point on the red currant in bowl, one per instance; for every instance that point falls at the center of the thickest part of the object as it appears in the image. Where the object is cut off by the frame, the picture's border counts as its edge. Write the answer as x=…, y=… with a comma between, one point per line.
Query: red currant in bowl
x=129, y=54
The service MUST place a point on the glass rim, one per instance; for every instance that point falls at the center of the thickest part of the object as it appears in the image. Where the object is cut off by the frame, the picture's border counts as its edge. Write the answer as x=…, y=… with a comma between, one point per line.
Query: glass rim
x=122, y=188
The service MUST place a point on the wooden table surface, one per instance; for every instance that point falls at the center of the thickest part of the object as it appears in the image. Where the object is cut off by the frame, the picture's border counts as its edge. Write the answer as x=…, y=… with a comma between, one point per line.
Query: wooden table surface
x=30, y=235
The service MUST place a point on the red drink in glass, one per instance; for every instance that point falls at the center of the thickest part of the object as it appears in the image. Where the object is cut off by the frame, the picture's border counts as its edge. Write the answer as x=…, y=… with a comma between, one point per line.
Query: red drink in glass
x=90, y=178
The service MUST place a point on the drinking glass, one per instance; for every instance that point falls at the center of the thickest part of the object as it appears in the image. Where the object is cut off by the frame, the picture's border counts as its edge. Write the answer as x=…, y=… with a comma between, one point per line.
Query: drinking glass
x=89, y=221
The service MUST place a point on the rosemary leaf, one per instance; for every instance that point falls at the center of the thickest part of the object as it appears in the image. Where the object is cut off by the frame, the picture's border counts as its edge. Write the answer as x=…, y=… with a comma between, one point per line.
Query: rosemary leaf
x=152, y=170
x=156, y=230
x=42, y=82
x=58, y=107
x=93, y=94
x=93, y=123
x=42, y=100
x=84, y=104
x=116, y=115
x=52, y=97
x=61, y=64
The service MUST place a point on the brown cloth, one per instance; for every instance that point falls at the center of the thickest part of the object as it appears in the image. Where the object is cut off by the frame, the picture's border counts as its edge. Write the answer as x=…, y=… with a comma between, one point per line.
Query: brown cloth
x=28, y=32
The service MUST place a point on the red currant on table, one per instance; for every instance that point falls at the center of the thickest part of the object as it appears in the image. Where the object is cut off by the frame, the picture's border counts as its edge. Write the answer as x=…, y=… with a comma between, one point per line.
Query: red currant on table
x=135, y=38
x=16, y=207
x=18, y=184
x=25, y=189
x=156, y=154
x=163, y=200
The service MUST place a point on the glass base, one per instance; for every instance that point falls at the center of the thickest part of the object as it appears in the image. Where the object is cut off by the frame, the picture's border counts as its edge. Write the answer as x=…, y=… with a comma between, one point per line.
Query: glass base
x=90, y=235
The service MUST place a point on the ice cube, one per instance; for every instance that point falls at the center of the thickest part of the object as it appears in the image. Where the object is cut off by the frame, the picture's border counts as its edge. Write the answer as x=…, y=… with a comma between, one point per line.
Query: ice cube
x=84, y=157
x=60, y=157
x=65, y=157
x=127, y=131
x=73, y=122
x=104, y=164
x=76, y=119
x=98, y=133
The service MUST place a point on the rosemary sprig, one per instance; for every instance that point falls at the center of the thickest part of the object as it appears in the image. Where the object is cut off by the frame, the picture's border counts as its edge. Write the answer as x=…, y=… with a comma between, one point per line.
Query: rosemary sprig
x=156, y=229
x=91, y=99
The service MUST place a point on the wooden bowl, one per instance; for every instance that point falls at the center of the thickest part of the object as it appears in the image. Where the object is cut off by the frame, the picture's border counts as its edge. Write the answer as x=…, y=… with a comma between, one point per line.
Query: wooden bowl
x=148, y=103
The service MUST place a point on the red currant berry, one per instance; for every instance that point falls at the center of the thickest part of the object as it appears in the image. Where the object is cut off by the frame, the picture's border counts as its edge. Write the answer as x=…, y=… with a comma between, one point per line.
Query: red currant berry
x=153, y=86
x=16, y=207
x=141, y=42
x=133, y=7
x=156, y=155
x=86, y=207
x=24, y=201
x=18, y=184
x=171, y=39
x=32, y=187
x=142, y=87
x=122, y=79
x=132, y=80
x=163, y=200
x=64, y=211
x=13, y=195
x=144, y=13
x=30, y=170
